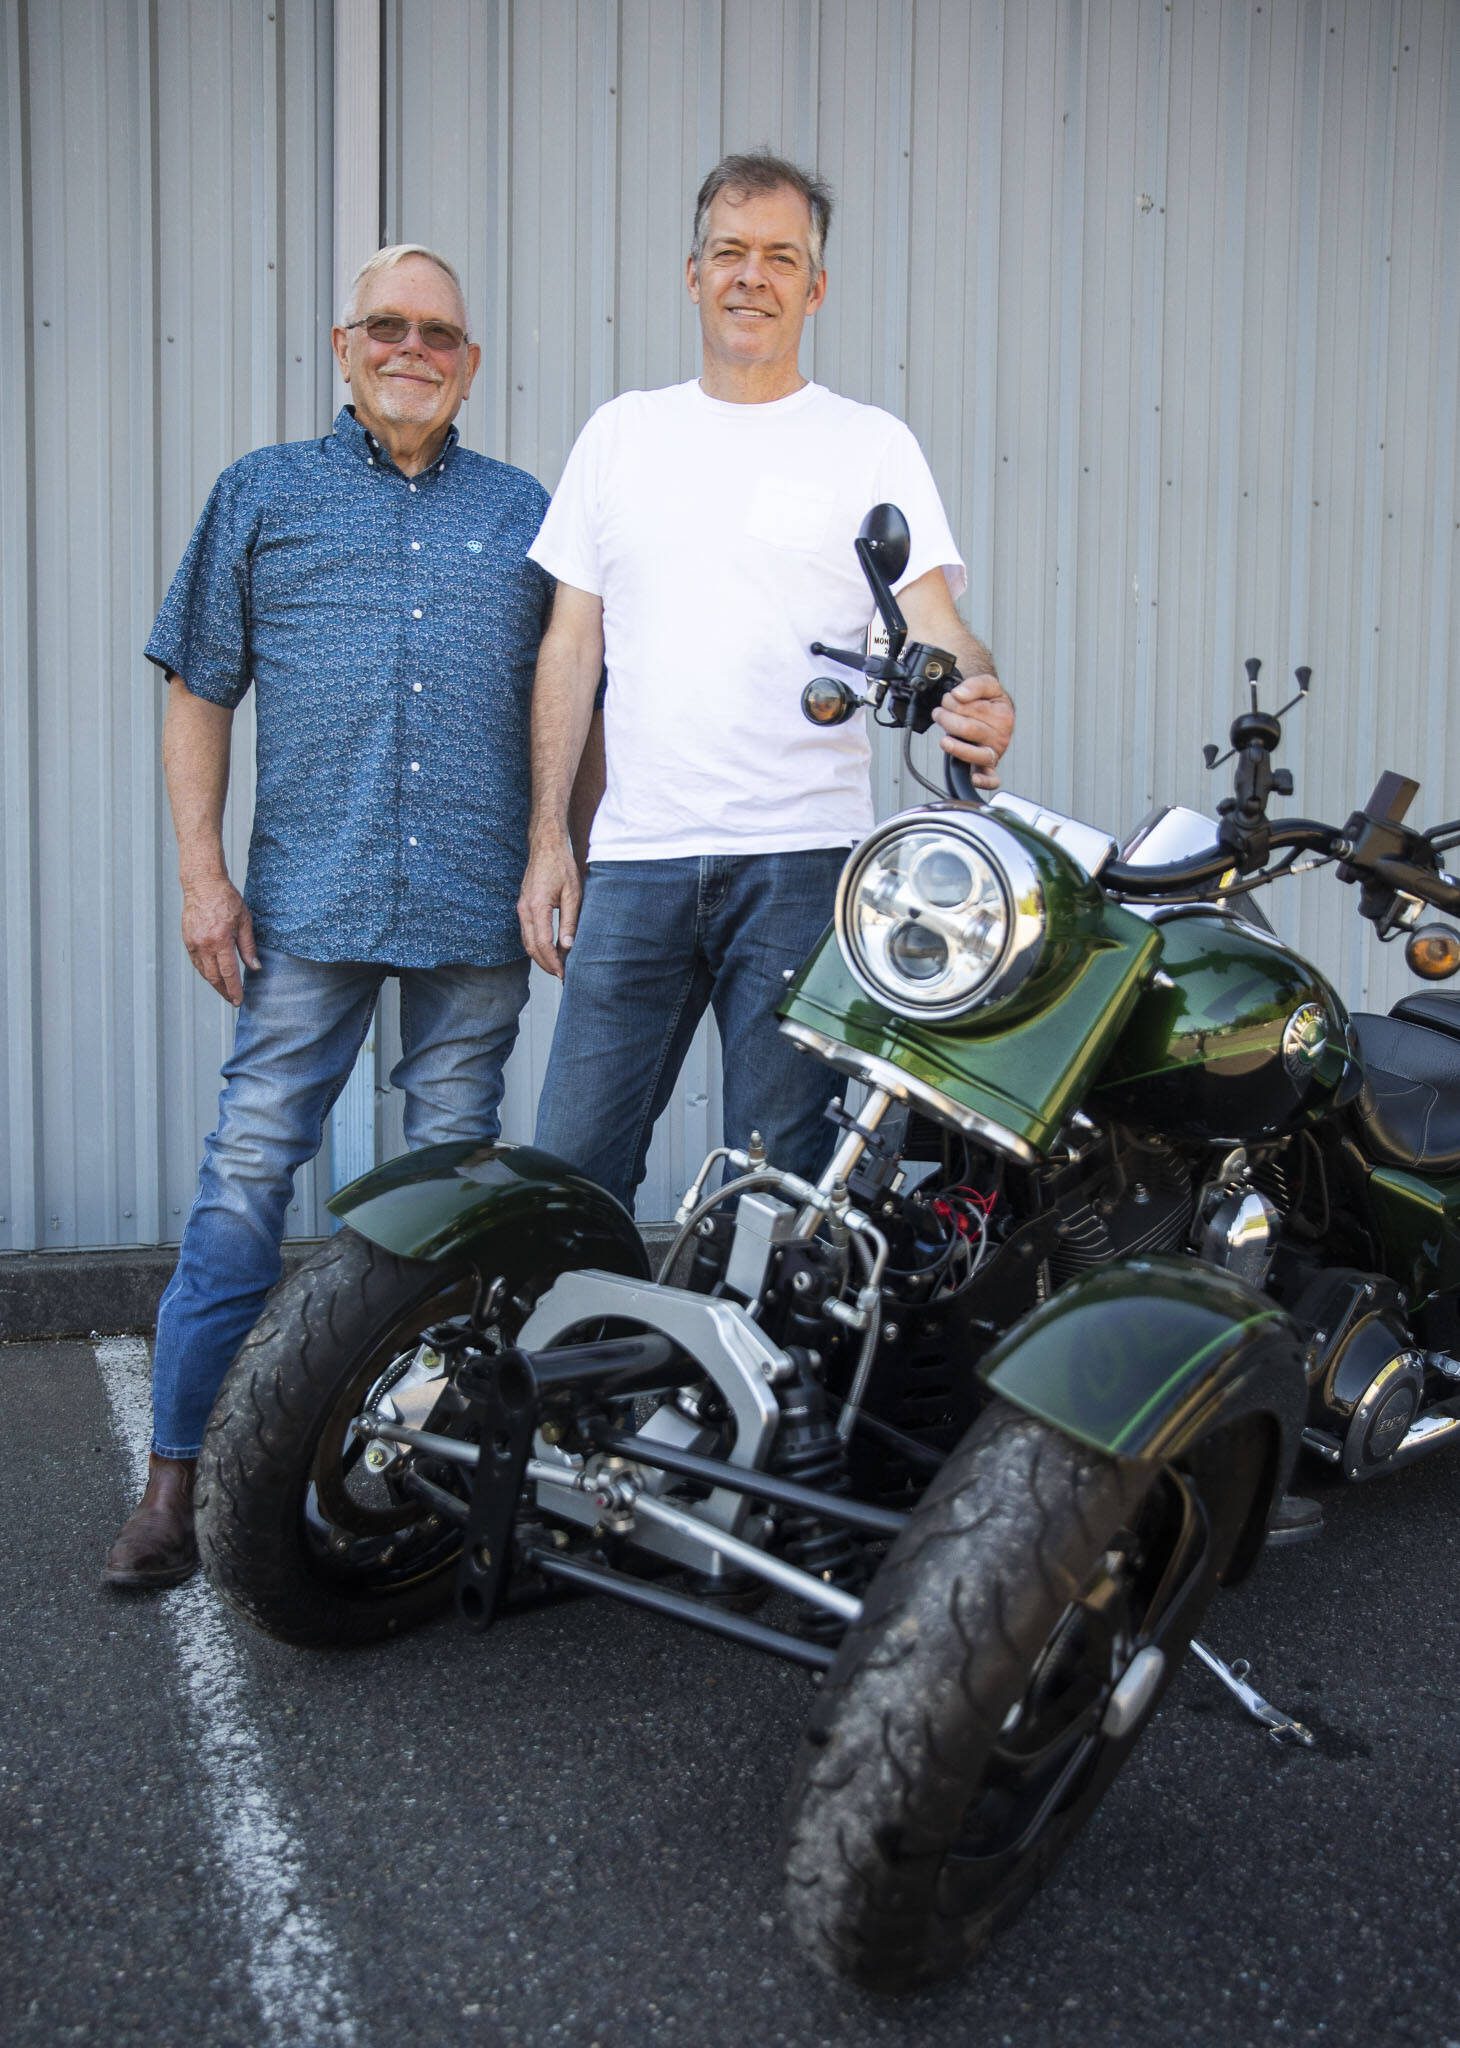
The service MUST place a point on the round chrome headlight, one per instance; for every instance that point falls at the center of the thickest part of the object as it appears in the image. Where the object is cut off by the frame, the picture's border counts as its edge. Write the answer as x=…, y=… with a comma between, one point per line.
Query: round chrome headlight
x=938, y=912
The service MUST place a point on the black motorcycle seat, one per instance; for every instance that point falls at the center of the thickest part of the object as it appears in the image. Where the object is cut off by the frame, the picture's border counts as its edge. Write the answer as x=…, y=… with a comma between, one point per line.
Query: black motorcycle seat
x=1409, y=1106
x=1438, y=1008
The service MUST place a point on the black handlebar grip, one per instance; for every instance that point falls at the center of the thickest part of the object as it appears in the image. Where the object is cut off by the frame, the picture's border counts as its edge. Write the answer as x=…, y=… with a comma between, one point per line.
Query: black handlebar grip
x=958, y=781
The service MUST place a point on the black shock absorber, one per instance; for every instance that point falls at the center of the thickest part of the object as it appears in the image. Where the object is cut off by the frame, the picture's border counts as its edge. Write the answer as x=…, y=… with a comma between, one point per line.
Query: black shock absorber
x=807, y=1448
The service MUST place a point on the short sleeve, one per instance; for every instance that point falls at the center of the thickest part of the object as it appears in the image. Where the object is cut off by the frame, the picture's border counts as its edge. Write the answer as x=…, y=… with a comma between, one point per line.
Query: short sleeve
x=905, y=480
x=201, y=632
x=567, y=545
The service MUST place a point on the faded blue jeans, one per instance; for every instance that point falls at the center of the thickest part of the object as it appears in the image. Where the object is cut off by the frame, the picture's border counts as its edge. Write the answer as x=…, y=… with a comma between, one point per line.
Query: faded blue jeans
x=658, y=941
x=300, y=1026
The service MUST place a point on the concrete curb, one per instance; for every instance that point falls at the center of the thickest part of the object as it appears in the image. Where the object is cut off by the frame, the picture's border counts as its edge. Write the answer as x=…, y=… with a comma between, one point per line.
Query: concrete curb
x=115, y=1293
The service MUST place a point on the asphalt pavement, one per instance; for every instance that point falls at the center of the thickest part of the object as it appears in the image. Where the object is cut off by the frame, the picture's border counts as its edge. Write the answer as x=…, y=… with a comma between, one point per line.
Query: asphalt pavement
x=565, y=1832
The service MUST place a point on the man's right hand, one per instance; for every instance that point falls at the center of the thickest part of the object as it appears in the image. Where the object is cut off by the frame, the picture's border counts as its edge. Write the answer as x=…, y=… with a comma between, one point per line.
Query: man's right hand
x=218, y=931
x=551, y=885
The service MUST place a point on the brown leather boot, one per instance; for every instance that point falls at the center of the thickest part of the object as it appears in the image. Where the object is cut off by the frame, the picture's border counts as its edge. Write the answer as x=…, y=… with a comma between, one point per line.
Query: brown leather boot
x=157, y=1546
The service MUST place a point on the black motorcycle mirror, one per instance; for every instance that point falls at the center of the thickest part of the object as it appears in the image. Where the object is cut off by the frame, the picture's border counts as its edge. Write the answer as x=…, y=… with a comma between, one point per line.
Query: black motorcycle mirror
x=883, y=546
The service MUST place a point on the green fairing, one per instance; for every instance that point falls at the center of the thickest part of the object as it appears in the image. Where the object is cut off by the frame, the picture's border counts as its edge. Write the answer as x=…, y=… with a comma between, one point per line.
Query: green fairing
x=1139, y=1359
x=1022, y=1065
x=1419, y=1227
x=522, y=1209
x=1203, y=1055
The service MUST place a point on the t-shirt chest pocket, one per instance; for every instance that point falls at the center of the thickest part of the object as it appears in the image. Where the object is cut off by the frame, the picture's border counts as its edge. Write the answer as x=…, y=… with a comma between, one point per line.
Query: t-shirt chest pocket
x=790, y=512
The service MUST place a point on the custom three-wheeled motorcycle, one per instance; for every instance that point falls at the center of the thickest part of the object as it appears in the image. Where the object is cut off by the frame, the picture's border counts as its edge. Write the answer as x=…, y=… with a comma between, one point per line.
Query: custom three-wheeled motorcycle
x=1123, y=1210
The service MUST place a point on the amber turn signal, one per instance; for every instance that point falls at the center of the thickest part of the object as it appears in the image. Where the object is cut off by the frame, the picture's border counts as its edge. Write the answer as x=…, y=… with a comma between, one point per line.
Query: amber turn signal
x=828, y=701
x=1433, y=952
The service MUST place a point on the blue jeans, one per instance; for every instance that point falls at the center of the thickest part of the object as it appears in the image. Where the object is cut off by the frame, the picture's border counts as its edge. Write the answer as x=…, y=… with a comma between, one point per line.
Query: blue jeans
x=658, y=941
x=300, y=1026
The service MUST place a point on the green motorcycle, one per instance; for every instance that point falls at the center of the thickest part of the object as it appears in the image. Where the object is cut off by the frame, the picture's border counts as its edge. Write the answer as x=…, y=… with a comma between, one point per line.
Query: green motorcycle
x=1126, y=1211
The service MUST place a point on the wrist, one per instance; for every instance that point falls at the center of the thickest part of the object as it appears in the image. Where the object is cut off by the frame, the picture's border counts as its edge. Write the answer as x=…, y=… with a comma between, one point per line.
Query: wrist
x=548, y=835
x=203, y=874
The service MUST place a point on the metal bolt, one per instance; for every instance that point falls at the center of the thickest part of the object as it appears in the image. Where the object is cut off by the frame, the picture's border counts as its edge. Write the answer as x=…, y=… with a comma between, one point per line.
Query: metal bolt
x=890, y=1333
x=339, y=1544
x=552, y=1432
x=377, y=1457
x=803, y=1282
x=484, y=1556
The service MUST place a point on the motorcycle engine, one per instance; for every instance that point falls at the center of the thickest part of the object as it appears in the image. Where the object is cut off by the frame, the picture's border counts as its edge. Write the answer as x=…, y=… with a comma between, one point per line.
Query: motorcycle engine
x=1148, y=1209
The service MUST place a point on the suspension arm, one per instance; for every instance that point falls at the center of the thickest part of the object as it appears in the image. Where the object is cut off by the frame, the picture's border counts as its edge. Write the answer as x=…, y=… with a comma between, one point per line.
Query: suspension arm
x=830, y=1507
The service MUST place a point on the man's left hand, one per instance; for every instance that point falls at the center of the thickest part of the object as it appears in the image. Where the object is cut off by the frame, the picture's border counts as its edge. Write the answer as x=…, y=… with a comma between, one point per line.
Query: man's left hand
x=977, y=721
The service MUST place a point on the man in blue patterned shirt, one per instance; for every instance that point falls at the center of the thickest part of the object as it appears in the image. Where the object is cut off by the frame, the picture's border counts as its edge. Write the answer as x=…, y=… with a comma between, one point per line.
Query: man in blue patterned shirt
x=375, y=589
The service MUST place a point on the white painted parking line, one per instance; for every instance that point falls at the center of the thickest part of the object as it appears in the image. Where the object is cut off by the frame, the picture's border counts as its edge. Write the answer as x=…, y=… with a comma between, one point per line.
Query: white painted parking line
x=292, y=1966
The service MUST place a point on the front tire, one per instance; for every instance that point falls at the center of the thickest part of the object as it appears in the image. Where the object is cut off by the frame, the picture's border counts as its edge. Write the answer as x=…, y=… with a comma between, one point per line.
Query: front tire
x=965, y=1731
x=280, y=1531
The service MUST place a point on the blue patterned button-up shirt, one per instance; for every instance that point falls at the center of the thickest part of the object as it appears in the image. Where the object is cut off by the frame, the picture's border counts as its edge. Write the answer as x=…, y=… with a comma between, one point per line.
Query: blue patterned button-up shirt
x=390, y=625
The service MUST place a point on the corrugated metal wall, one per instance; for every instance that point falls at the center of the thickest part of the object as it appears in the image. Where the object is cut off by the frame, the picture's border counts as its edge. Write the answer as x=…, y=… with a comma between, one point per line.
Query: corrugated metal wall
x=1170, y=294
x=167, y=172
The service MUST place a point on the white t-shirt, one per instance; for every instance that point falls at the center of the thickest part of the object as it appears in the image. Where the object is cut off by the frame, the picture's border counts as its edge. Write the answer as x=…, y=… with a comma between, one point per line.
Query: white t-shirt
x=719, y=538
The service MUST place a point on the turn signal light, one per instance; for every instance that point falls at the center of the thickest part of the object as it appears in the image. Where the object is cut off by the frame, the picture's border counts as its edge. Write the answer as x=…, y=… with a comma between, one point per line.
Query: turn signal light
x=1433, y=952
x=826, y=700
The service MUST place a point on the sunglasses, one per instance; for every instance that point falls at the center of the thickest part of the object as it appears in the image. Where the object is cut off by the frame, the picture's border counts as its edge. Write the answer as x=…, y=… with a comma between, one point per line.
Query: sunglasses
x=389, y=329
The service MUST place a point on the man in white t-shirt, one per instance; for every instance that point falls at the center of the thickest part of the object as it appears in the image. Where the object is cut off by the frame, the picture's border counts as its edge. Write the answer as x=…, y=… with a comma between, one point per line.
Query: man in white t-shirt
x=701, y=537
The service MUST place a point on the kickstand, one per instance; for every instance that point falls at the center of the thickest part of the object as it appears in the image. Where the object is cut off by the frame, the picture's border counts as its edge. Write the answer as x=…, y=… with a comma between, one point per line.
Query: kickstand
x=1281, y=1727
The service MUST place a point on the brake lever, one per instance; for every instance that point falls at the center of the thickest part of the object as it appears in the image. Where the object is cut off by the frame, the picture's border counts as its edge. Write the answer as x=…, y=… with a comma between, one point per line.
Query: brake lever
x=842, y=656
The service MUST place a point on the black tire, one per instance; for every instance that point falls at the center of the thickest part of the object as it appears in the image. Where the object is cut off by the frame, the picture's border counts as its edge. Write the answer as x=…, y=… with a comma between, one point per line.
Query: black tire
x=275, y=1450
x=919, y=1823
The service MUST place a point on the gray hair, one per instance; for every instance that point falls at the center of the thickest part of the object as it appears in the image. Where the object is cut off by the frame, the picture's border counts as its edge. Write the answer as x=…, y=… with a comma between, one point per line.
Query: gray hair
x=759, y=171
x=387, y=259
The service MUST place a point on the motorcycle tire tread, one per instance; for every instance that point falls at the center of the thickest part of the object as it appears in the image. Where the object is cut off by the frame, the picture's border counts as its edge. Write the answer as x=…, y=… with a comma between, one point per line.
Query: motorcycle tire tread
x=894, y=1747
x=259, y=1444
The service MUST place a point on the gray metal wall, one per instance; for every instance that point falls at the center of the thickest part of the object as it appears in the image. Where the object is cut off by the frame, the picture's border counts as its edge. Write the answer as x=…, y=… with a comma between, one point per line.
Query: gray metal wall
x=167, y=194
x=1170, y=293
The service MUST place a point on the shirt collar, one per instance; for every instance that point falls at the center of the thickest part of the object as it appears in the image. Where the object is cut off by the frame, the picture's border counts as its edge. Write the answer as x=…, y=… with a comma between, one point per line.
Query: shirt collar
x=359, y=442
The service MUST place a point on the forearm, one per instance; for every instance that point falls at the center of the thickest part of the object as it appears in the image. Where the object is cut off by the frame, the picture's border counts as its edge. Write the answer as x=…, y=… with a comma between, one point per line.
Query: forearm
x=568, y=669
x=196, y=738
x=969, y=652
x=588, y=786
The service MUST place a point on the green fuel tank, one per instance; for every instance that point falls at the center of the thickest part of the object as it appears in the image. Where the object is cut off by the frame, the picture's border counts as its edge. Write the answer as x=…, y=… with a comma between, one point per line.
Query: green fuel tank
x=1235, y=1039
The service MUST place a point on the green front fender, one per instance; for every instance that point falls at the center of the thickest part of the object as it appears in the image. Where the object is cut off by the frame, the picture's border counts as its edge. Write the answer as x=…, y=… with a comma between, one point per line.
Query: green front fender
x=523, y=1210
x=1154, y=1357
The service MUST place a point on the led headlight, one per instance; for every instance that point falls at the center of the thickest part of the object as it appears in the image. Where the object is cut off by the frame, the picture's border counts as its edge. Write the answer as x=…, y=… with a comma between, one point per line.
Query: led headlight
x=939, y=912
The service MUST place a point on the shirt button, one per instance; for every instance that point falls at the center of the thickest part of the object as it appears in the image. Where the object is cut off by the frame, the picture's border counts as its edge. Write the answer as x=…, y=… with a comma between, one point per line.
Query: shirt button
x=411, y=487
x=410, y=842
x=417, y=613
x=415, y=767
x=415, y=547
x=417, y=688
x=371, y=460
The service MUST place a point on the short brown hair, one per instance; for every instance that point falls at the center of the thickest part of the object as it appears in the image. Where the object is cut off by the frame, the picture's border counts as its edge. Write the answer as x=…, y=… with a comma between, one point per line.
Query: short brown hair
x=759, y=171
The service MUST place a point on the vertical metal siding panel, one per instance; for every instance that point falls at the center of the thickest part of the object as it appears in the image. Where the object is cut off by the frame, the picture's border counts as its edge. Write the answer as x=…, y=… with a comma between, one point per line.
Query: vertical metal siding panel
x=1027, y=336
x=1062, y=473
x=86, y=84
x=136, y=891
x=955, y=115
x=1439, y=43
x=20, y=1224
x=1141, y=424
